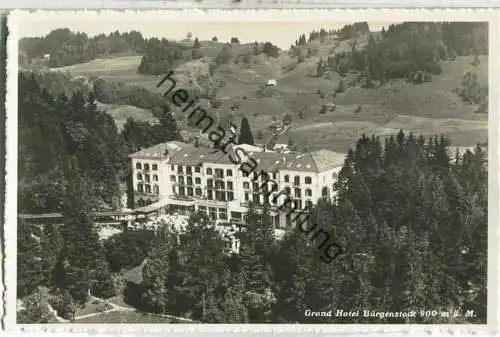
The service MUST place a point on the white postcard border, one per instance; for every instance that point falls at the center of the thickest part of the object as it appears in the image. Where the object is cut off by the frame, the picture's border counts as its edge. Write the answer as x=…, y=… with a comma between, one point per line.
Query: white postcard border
x=380, y=15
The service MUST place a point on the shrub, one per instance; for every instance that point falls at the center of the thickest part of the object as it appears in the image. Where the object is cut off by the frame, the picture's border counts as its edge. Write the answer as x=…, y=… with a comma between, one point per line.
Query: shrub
x=63, y=303
x=104, y=287
x=36, y=307
x=341, y=87
x=420, y=77
x=271, y=50
x=287, y=119
x=128, y=249
x=264, y=91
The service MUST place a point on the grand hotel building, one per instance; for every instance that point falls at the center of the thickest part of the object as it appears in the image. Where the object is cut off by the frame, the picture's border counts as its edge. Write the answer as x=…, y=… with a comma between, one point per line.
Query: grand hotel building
x=176, y=176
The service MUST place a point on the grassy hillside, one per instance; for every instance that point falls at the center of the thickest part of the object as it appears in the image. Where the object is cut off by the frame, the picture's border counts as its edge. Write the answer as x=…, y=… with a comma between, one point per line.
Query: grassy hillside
x=426, y=108
x=121, y=113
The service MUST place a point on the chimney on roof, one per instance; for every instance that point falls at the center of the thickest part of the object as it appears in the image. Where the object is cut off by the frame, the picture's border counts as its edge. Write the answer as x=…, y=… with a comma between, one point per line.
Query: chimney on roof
x=165, y=153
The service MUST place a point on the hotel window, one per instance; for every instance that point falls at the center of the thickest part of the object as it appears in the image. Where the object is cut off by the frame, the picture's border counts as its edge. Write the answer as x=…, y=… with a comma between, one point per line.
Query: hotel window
x=156, y=189
x=275, y=175
x=308, y=180
x=173, y=190
x=255, y=186
x=189, y=180
x=246, y=185
x=212, y=213
x=287, y=178
x=172, y=178
x=245, y=173
x=140, y=188
x=230, y=196
x=222, y=185
x=182, y=191
x=172, y=167
x=139, y=176
x=309, y=204
x=230, y=185
x=179, y=169
x=219, y=173
x=210, y=183
x=146, y=167
x=146, y=178
x=229, y=173
x=256, y=198
x=210, y=195
x=148, y=188
x=287, y=190
x=197, y=181
x=277, y=221
x=236, y=215
x=155, y=177
x=298, y=204
x=220, y=196
x=222, y=214
x=155, y=167
x=297, y=193
x=246, y=197
x=189, y=170
x=324, y=192
x=296, y=180
x=138, y=166
x=309, y=192
x=181, y=180
x=334, y=175
x=197, y=169
x=190, y=191
x=198, y=191
x=209, y=171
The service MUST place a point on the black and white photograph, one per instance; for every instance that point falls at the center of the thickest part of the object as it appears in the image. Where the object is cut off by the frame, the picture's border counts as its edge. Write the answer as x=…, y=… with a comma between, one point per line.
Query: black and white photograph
x=177, y=171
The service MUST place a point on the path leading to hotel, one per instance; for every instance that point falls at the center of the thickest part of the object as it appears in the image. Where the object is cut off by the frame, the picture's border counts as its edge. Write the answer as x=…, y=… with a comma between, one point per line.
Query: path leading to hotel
x=116, y=307
x=58, y=318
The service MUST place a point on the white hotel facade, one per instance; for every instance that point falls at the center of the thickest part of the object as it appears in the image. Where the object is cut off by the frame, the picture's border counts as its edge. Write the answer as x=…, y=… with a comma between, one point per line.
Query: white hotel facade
x=176, y=177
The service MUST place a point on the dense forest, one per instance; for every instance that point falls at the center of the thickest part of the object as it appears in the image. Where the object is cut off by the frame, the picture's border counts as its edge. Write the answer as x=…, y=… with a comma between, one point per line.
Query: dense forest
x=413, y=220
x=411, y=50
x=160, y=56
x=66, y=47
x=73, y=128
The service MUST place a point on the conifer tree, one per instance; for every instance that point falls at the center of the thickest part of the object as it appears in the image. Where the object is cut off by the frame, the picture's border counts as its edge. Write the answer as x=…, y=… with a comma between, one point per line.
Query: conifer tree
x=81, y=251
x=196, y=44
x=29, y=268
x=155, y=271
x=245, y=136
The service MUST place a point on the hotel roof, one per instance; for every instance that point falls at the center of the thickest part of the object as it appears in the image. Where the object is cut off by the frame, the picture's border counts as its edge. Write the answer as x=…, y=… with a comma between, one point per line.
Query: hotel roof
x=159, y=151
x=188, y=154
